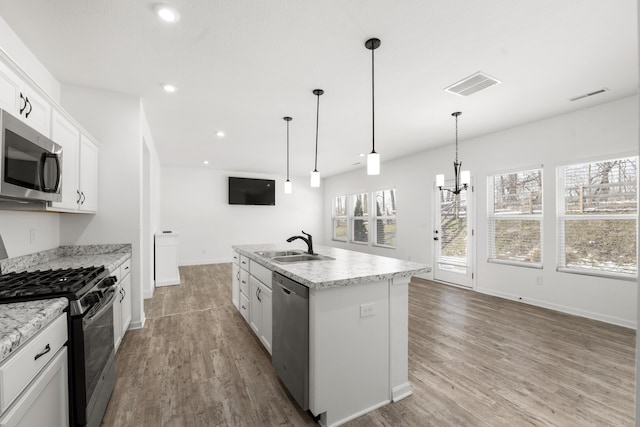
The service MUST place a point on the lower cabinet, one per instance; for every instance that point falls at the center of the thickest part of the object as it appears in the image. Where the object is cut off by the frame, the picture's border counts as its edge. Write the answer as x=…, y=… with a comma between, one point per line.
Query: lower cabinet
x=122, y=304
x=35, y=389
x=251, y=295
x=260, y=312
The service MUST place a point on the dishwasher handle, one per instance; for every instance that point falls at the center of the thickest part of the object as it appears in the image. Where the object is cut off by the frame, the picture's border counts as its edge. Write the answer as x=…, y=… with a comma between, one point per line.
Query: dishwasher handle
x=286, y=291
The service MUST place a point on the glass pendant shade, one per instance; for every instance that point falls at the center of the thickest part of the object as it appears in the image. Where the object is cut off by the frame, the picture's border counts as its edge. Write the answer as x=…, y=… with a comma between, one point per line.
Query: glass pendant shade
x=373, y=164
x=288, y=187
x=440, y=180
x=465, y=177
x=315, y=179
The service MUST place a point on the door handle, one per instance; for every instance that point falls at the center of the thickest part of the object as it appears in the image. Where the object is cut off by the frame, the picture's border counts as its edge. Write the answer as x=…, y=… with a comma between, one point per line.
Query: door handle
x=30, y=108
x=25, y=103
x=436, y=238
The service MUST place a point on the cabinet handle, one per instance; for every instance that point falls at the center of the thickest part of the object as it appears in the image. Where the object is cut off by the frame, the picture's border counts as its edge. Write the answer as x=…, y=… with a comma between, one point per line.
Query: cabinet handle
x=258, y=291
x=122, y=292
x=244, y=308
x=46, y=350
x=238, y=275
x=25, y=103
x=30, y=108
x=244, y=282
x=83, y=198
x=78, y=199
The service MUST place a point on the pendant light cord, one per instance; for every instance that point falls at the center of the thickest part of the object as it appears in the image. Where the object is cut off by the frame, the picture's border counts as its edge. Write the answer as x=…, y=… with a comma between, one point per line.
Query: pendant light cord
x=373, y=104
x=456, y=138
x=287, y=150
x=315, y=169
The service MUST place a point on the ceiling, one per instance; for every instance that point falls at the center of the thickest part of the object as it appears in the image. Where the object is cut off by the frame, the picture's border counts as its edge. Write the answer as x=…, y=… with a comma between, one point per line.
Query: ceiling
x=241, y=65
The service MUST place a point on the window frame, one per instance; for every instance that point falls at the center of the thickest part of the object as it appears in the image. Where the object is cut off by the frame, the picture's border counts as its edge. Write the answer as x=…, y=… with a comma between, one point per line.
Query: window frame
x=375, y=217
x=335, y=218
x=562, y=217
x=493, y=218
x=352, y=218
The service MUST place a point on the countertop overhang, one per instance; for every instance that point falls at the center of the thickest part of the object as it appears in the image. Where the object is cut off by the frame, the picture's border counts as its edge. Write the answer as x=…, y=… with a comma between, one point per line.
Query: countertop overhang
x=348, y=267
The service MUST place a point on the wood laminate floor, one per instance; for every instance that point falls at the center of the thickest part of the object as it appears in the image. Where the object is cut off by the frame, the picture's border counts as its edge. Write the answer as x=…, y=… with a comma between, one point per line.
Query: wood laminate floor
x=474, y=360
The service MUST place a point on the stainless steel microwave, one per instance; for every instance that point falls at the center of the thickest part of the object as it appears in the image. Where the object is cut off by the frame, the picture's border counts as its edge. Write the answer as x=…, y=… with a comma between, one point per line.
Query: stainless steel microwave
x=31, y=167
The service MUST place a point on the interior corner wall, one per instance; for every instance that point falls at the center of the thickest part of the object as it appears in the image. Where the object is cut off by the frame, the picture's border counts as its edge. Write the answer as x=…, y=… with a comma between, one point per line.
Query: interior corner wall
x=602, y=131
x=114, y=120
x=195, y=205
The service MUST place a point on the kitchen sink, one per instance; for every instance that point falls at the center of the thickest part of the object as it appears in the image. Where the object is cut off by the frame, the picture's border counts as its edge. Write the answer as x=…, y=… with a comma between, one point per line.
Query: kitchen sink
x=300, y=258
x=271, y=254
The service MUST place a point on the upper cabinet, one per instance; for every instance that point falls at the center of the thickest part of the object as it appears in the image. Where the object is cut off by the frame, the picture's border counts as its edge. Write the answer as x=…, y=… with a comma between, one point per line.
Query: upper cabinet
x=24, y=102
x=19, y=97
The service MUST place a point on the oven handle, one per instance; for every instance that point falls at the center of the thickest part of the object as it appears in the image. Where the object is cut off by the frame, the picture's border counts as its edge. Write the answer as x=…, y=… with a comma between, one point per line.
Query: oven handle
x=107, y=306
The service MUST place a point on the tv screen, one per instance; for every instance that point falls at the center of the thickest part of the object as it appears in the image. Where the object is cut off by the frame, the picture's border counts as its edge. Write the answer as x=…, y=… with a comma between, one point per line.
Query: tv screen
x=249, y=191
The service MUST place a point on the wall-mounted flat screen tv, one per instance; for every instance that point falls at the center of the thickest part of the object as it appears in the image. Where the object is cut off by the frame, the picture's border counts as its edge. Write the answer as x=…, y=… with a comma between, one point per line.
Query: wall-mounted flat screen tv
x=250, y=191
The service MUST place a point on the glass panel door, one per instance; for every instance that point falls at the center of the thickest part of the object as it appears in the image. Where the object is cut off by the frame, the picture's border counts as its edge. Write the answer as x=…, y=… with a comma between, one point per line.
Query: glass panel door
x=453, y=236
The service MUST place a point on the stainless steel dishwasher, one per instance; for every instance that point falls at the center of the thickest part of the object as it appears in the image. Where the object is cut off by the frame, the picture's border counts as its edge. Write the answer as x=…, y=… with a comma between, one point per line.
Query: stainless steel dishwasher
x=290, y=345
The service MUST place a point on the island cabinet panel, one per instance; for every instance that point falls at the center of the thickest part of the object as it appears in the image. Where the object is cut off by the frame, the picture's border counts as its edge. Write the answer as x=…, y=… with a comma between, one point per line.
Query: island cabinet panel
x=235, y=285
x=349, y=357
x=260, y=311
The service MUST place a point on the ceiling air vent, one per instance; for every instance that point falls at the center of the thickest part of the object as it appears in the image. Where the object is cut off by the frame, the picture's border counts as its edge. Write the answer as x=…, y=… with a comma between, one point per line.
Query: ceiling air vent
x=472, y=84
x=586, y=95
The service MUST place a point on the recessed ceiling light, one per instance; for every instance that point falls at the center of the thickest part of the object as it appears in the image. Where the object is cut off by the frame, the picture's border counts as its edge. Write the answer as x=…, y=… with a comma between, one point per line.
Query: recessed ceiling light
x=169, y=88
x=361, y=154
x=206, y=162
x=166, y=13
x=220, y=134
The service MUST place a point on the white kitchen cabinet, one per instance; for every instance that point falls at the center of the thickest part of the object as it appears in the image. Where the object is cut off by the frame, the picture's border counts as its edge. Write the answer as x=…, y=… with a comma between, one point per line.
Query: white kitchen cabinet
x=122, y=304
x=88, y=181
x=24, y=102
x=34, y=380
x=67, y=135
x=260, y=311
x=235, y=285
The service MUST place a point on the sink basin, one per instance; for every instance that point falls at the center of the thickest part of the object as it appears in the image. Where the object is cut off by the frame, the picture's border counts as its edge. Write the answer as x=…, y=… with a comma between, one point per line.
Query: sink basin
x=300, y=258
x=271, y=254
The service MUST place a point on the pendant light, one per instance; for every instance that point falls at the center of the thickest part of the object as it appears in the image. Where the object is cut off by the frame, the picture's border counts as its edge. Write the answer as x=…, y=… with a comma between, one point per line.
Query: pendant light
x=288, y=186
x=315, y=175
x=373, y=158
x=462, y=179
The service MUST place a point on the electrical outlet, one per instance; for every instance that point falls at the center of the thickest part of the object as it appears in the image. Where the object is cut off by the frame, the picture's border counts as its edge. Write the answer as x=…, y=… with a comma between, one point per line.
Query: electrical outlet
x=539, y=280
x=32, y=235
x=367, y=310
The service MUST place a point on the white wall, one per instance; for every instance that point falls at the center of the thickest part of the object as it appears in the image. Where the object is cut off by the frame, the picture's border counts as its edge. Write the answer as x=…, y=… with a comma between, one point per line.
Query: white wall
x=20, y=54
x=114, y=119
x=606, y=130
x=195, y=204
x=15, y=229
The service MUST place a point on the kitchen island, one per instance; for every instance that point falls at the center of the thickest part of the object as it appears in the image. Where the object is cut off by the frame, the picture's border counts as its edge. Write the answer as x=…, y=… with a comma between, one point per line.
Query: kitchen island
x=358, y=327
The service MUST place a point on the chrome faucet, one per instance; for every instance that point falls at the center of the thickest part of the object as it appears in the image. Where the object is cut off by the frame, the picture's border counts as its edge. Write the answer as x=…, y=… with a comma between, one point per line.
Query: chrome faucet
x=308, y=240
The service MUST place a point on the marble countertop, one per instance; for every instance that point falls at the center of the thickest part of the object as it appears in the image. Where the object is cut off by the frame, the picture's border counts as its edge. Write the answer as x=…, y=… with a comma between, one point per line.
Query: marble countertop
x=348, y=267
x=22, y=320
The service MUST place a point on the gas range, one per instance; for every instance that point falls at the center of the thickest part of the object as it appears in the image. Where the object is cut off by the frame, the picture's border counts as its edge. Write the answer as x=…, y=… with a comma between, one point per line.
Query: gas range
x=91, y=293
x=84, y=287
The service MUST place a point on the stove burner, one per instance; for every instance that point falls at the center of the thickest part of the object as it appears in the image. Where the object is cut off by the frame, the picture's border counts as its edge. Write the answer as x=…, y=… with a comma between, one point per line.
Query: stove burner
x=68, y=282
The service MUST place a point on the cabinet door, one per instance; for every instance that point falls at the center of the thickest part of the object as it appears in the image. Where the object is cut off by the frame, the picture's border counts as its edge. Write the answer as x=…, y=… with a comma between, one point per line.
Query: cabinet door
x=117, y=319
x=244, y=306
x=46, y=401
x=255, y=312
x=88, y=175
x=38, y=112
x=10, y=89
x=265, y=330
x=125, y=304
x=63, y=132
x=235, y=286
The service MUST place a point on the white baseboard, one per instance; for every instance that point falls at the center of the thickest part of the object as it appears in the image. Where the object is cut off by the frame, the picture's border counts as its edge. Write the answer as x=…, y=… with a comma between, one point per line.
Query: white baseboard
x=353, y=416
x=138, y=324
x=205, y=261
x=401, y=391
x=565, y=309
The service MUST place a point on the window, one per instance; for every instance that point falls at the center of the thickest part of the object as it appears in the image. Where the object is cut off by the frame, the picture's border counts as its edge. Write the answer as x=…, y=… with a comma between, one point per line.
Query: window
x=385, y=218
x=340, y=218
x=360, y=218
x=515, y=217
x=597, y=217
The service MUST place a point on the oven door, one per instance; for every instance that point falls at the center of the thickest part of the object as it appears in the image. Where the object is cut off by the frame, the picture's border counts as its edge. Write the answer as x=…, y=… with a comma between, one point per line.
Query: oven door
x=95, y=381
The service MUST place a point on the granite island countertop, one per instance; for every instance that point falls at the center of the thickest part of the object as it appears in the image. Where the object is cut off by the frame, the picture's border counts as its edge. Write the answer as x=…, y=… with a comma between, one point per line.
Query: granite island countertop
x=22, y=320
x=348, y=267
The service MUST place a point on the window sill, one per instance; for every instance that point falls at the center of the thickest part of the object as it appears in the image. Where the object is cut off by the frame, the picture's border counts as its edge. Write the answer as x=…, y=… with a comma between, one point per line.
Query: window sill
x=383, y=246
x=515, y=263
x=595, y=273
x=338, y=240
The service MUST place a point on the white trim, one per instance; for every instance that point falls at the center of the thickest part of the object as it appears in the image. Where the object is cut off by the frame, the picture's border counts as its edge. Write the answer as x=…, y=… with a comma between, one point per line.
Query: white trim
x=401, y=391
x=536, y=265
x=353, y=416
x=599, y=273
x=205, y=261
x=562, y=308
